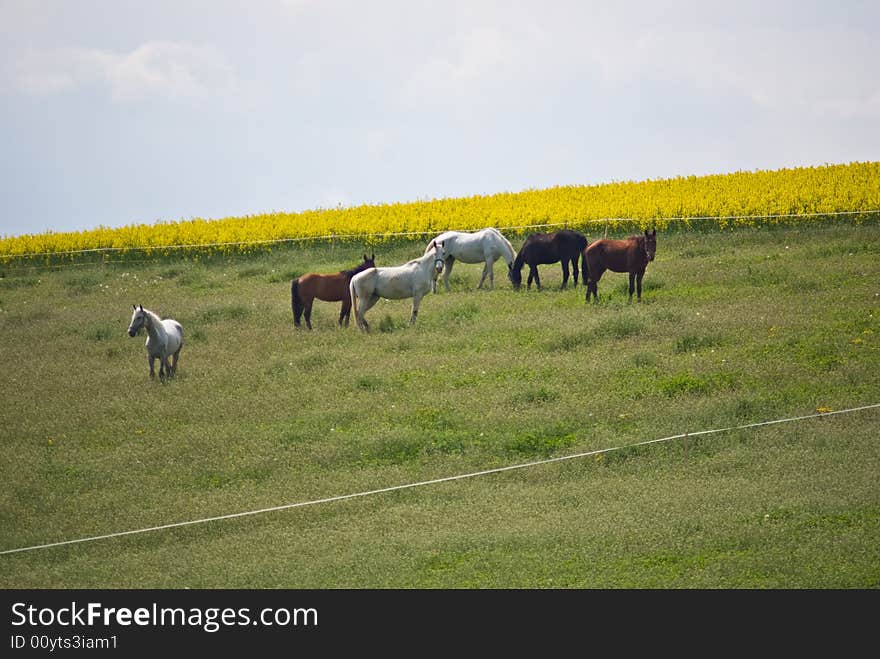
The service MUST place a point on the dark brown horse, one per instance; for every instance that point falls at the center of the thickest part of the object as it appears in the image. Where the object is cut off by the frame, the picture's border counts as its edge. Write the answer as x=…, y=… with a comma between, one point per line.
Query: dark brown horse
x=630, y=255
x=330, y=288
x=541, y=248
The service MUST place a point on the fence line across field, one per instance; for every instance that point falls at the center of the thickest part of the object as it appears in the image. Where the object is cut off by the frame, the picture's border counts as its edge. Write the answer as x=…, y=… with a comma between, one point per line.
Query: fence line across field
x=435, y=481
x=401, y=234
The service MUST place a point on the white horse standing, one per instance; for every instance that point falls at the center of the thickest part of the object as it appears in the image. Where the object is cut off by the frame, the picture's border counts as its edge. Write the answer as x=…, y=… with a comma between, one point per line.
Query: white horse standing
x=164, y=339
x=486, y=245
x=412, y=279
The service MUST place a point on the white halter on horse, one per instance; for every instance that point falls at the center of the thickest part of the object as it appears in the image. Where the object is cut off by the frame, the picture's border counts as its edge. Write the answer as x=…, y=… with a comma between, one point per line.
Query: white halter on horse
x=164, y=339
x=413, y=280
x=486, y=245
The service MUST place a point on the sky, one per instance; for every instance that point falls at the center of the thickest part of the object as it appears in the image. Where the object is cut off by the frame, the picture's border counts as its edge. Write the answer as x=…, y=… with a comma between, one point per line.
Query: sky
x=117, y=112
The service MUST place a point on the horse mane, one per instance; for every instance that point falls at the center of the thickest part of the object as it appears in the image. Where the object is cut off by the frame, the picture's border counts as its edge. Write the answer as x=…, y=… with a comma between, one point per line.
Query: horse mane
x=152, y=315
x=506, y=242
x=360, y=267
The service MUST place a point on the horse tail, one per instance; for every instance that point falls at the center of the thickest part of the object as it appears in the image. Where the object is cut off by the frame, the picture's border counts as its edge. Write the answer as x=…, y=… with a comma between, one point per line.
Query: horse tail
x=296, y=304
x=585, y=271
x=352, y=292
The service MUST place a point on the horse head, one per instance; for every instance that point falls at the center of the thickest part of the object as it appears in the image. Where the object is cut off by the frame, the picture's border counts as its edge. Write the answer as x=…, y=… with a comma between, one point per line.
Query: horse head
x=137, y=319
x=369, y=262
x=514, y=275
x=439, y=256
x=650, y=244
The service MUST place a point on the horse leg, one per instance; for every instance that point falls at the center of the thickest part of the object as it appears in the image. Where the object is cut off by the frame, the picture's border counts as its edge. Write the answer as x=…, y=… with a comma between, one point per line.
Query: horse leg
x=308, y=312
x=537, y=279
x=531, y=277
x=151, y=361
x=594, y=273
x=345, y=312
x=487, y=272
x=415, y=309
x=574, y=269
x=564, y=273
x=364, y=306
x=174, y=359
x=639, y=276
x=446, y=272
x=632, y=286
x=490, y=268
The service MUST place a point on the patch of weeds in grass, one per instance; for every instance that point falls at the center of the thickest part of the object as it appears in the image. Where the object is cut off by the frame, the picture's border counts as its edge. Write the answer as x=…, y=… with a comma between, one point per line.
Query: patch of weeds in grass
x=224, y=314
x=298, y=434
x=278, y=367
x=254, y=271
x=10, y=283
x=541, y=443
x=197, y=335
x=685, y=384
x=689, y=343
x=465, y=313
x=197, y=280
x=66, y=476
x=255, y=474
x=403, y=345
x=311, y=362
x=284, y=275
x=171, y=273
x=388, y=324
x=446, y=443
x=102, y=333
x=620, y=327
x=633, y=384
x=429, y=418
x=393, y=450
x=535, y=396
x=648, y=284
x=369, y=382
x=211, y=481
x=569, y=342
x=83, y=282
x=644, y=359
x=817, y=352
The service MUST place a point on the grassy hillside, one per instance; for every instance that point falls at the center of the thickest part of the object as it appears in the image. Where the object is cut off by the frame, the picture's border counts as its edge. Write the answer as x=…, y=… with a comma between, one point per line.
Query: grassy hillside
x=735, y=327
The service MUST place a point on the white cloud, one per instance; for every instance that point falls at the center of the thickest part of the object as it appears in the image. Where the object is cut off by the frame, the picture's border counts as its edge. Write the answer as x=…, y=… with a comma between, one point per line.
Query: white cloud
x=157, y=68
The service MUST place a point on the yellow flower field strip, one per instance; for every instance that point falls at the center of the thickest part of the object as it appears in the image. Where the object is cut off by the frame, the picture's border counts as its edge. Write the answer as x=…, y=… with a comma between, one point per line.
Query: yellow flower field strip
x=738, y=199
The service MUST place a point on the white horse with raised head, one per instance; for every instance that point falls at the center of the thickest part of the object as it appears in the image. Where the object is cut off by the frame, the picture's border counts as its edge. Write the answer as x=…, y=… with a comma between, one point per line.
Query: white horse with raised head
x=164, y=339
x=399, y=282
x=483, y=246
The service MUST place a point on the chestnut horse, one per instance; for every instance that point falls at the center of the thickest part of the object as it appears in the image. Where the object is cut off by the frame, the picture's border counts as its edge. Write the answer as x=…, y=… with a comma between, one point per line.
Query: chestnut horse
x=539, y=248
x=630, y=255
x=330, y=288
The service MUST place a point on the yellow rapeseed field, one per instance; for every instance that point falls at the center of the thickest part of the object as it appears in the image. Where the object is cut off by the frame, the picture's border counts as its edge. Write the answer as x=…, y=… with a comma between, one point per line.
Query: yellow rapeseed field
x=740, y=198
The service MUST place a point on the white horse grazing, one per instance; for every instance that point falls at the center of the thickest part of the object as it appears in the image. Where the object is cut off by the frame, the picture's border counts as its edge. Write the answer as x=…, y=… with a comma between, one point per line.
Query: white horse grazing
x=164, y=339
x=485, y=245
x=413, y=280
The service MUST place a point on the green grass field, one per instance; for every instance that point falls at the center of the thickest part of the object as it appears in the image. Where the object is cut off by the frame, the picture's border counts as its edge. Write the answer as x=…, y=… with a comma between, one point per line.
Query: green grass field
x=735, y=327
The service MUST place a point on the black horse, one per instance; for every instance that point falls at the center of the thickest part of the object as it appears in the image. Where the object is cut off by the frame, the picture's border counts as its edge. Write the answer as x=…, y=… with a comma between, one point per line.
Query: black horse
x=563, y=246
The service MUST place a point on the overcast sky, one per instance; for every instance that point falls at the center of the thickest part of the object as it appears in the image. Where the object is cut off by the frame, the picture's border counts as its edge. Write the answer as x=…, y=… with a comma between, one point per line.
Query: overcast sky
x=117, y=112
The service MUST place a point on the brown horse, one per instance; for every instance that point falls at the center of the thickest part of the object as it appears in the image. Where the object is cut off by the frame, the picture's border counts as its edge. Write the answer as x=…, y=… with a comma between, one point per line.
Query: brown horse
x=631, y=255
x=330, y=288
